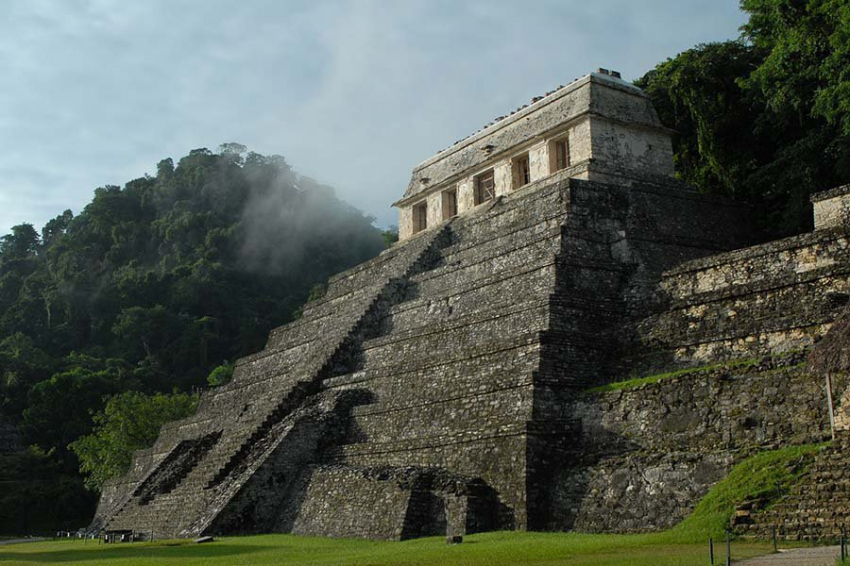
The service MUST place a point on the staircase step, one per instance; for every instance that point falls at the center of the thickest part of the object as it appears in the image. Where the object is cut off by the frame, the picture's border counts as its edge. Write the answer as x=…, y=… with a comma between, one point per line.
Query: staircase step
x=817, y=507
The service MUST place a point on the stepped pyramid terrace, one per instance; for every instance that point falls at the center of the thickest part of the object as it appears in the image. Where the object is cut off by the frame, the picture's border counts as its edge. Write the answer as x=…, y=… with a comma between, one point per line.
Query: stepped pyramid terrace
x=453, y=384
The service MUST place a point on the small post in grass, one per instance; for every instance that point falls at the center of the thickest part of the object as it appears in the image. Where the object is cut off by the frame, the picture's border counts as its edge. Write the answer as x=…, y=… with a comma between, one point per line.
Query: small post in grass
x=775, y=541
x=843, y=544
x=728, y=547
x=711, y=550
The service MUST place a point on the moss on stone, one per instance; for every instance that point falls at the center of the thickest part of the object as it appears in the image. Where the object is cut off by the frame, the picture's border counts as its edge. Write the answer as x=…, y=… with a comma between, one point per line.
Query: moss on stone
x=733, y=364
x=637, y=382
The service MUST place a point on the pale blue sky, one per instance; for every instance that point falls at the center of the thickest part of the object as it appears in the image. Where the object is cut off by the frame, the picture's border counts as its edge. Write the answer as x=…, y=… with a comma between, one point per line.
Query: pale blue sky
x=352, y=93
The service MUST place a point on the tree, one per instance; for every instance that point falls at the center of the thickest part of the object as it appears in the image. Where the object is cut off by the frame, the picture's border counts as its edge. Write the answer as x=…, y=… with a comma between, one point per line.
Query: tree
x=22, y=243
x=805, y=72
x=764, y=119
x=40, y=495
x=22, y=364
x=154, y=286
x=220, y=375
x=390, y=236
x=51, y=420
x=164, y=169
x=130, y=421
x=56, y=228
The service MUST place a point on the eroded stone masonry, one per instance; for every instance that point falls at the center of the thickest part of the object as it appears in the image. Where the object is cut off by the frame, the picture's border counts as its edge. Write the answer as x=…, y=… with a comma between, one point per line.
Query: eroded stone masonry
x=442, y=387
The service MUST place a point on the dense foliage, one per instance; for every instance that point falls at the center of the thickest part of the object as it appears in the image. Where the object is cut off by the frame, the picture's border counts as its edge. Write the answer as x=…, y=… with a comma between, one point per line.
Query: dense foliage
x=130, y=421
x=764, y=119
x=38, y=492
x=155, y=287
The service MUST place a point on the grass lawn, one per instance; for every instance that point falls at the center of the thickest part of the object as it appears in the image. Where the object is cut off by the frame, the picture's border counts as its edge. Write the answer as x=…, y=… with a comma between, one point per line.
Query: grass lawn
x=765, y=475
x=490, y=549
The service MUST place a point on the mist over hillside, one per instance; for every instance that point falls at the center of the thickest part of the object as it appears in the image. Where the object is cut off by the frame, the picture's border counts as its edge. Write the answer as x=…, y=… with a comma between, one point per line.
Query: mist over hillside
x=152, y=286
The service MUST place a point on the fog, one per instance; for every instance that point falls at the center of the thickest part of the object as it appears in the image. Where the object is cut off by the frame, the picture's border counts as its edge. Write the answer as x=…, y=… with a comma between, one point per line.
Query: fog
x=283, y=221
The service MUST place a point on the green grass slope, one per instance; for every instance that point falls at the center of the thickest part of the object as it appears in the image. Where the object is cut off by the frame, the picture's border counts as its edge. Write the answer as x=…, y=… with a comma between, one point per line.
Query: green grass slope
x=765, y=476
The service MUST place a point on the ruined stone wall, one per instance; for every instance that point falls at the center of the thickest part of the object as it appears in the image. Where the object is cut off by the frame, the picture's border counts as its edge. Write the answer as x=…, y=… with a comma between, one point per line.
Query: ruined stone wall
x=450, y=371
x=462, y=353
x=631, y=148
x=385, y=502
x=250, y=410
x=644, y=456
x=596, y=94
x=816, y=508
x=769, y=298
x=343, y=502
x=616, y=243
x=842, y=411
x=253, y=505
x=832, y=208
x=466, y=373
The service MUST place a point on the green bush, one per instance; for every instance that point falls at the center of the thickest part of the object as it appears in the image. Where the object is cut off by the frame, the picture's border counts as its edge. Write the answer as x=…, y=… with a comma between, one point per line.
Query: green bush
x=129, y=422
x=221, y=375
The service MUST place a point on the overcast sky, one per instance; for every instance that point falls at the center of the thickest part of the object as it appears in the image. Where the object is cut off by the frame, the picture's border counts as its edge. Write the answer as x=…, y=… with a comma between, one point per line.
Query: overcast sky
x=352, y=93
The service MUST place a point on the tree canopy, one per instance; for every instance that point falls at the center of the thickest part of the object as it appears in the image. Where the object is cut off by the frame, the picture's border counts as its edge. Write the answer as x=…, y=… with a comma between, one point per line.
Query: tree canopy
x=153, y=287
x=130, y=421
x=764, y=118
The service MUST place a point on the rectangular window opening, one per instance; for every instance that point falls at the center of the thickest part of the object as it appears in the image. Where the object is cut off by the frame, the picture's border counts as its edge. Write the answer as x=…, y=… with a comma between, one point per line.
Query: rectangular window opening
x=420, y=217
x=521, y=170
x=485, y=187
x=559, y=154
x=449, y=204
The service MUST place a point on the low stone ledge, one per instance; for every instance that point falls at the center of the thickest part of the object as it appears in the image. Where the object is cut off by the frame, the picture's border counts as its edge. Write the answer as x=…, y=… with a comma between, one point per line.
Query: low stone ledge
x=830, y=193
x=769, y=248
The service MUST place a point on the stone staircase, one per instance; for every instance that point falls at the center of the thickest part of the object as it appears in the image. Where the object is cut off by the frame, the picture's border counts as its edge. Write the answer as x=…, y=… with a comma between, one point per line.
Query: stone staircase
x=817, y=508
x=180, y=463
x=239, y=461
x=249, y=426
x=451, y=368
x=455, y=353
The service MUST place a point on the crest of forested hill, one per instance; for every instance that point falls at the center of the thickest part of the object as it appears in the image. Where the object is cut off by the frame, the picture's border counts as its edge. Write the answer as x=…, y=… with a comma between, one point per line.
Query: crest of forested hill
x=152, y=287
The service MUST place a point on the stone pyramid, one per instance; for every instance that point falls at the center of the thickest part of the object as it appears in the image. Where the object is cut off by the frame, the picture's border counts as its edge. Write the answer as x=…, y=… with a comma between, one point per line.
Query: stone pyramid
x=437, y=388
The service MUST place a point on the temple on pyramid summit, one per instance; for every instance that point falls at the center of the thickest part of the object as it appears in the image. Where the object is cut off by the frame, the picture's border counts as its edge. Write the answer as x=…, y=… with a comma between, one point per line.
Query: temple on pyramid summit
x=456, y=383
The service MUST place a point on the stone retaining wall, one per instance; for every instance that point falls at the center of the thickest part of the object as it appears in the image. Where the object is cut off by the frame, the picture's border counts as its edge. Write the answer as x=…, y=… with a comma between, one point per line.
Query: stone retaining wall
x=765, y=299
x=646, y=455
x=817, y=508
